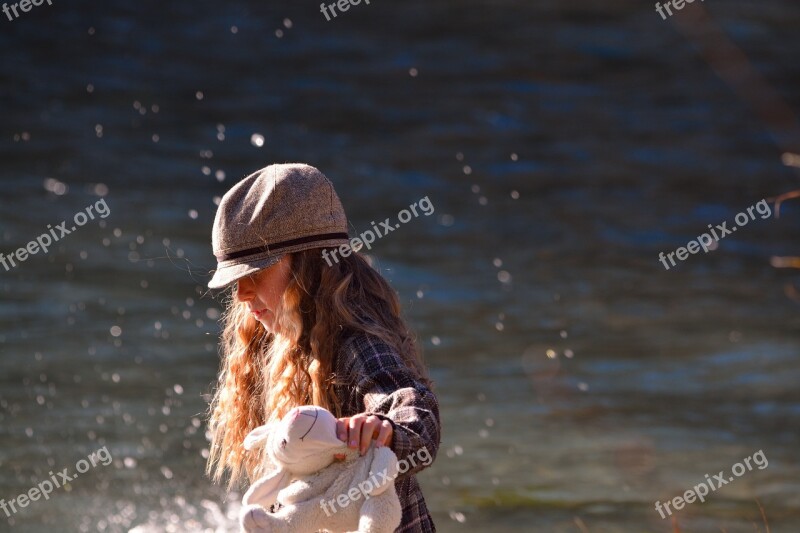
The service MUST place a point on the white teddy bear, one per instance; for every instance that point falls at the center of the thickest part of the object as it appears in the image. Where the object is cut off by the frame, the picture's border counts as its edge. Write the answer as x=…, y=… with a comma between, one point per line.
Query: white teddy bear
x=317, y=492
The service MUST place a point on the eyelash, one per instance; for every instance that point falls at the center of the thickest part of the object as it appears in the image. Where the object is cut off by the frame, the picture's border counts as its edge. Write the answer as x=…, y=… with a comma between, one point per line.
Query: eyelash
x=283, y=444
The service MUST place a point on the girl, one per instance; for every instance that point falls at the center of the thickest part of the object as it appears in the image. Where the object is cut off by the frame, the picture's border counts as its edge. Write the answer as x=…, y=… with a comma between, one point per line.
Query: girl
x=300, y=330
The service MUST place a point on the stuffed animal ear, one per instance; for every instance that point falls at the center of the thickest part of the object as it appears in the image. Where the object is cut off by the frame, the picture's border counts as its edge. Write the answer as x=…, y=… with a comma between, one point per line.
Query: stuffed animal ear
x=258, y=436
x=385, y=467
x=265, y=491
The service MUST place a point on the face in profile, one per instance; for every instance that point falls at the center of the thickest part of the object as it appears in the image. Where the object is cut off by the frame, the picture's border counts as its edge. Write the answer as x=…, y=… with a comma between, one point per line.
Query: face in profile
x=262, y=291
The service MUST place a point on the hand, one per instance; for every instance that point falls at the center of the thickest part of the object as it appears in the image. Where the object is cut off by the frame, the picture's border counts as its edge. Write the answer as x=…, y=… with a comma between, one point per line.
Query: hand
x=359, y=430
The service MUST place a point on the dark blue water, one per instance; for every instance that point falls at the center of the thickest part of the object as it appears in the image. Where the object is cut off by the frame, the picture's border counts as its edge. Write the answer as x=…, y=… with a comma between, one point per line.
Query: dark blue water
x=564, y=145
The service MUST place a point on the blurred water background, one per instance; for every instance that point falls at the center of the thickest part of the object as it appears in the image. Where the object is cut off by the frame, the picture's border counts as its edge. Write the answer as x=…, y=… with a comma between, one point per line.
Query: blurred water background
x=564, y=144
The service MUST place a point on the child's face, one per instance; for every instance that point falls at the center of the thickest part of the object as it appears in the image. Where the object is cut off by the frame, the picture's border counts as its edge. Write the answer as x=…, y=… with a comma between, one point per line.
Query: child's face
x=263, y=290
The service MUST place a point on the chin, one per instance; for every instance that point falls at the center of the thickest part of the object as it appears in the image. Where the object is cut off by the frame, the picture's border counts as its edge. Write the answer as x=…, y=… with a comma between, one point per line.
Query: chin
x=268, y=324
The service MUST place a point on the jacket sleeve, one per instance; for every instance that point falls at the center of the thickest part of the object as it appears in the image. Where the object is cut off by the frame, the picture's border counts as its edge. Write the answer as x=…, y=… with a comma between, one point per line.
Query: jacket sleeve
x=389, y=390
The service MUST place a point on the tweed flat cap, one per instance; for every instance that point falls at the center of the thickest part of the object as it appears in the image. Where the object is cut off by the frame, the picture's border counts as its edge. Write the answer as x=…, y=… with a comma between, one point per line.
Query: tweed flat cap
x=275, y=211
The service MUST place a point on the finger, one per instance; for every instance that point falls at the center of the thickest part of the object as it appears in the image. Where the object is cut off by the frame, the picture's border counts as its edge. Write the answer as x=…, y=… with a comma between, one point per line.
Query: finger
x=354, y=430
x=385, y=434
x=371, y=424
x=339, y=456
x=341, y=429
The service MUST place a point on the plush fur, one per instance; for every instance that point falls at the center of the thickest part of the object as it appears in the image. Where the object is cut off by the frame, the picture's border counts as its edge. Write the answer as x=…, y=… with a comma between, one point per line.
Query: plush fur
x=316, y=491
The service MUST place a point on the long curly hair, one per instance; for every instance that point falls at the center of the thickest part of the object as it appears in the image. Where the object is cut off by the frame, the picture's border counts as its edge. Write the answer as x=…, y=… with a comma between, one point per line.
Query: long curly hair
x=264, y=375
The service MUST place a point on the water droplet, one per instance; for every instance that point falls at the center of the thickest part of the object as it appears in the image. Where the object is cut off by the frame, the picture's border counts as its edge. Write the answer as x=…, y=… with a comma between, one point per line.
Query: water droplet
x=257, y=140
x=55, y=186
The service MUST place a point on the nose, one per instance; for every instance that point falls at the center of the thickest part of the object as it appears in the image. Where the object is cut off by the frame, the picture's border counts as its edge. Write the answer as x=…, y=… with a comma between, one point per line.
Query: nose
x=244, y=290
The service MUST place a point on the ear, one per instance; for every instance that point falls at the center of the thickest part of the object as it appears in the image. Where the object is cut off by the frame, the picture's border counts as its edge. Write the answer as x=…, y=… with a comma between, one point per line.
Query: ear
x=384, y=468
x=257, y=437
x=265, y=491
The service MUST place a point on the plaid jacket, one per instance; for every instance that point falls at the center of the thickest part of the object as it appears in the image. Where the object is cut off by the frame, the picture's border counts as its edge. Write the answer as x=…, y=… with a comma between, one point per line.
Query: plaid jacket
x=370, y=377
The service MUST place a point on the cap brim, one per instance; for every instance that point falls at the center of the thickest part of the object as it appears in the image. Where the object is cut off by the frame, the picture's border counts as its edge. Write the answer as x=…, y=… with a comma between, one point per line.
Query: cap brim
x=229, y=274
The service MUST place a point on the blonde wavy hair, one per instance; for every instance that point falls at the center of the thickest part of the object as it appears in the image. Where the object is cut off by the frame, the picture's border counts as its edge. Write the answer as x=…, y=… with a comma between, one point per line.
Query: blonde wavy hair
x=264, y=375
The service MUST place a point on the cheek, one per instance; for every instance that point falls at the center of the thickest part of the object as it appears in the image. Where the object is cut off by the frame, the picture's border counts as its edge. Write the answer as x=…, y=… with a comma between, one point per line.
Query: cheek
x=269, y=298
x=271, y=289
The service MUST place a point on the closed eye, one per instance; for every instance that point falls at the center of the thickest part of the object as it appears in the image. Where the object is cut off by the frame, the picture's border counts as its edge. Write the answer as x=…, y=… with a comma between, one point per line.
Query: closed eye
x=316, y=415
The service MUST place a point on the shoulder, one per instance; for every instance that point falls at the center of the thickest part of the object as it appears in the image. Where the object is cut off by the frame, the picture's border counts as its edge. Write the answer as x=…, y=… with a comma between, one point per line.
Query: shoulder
x=362, y=354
